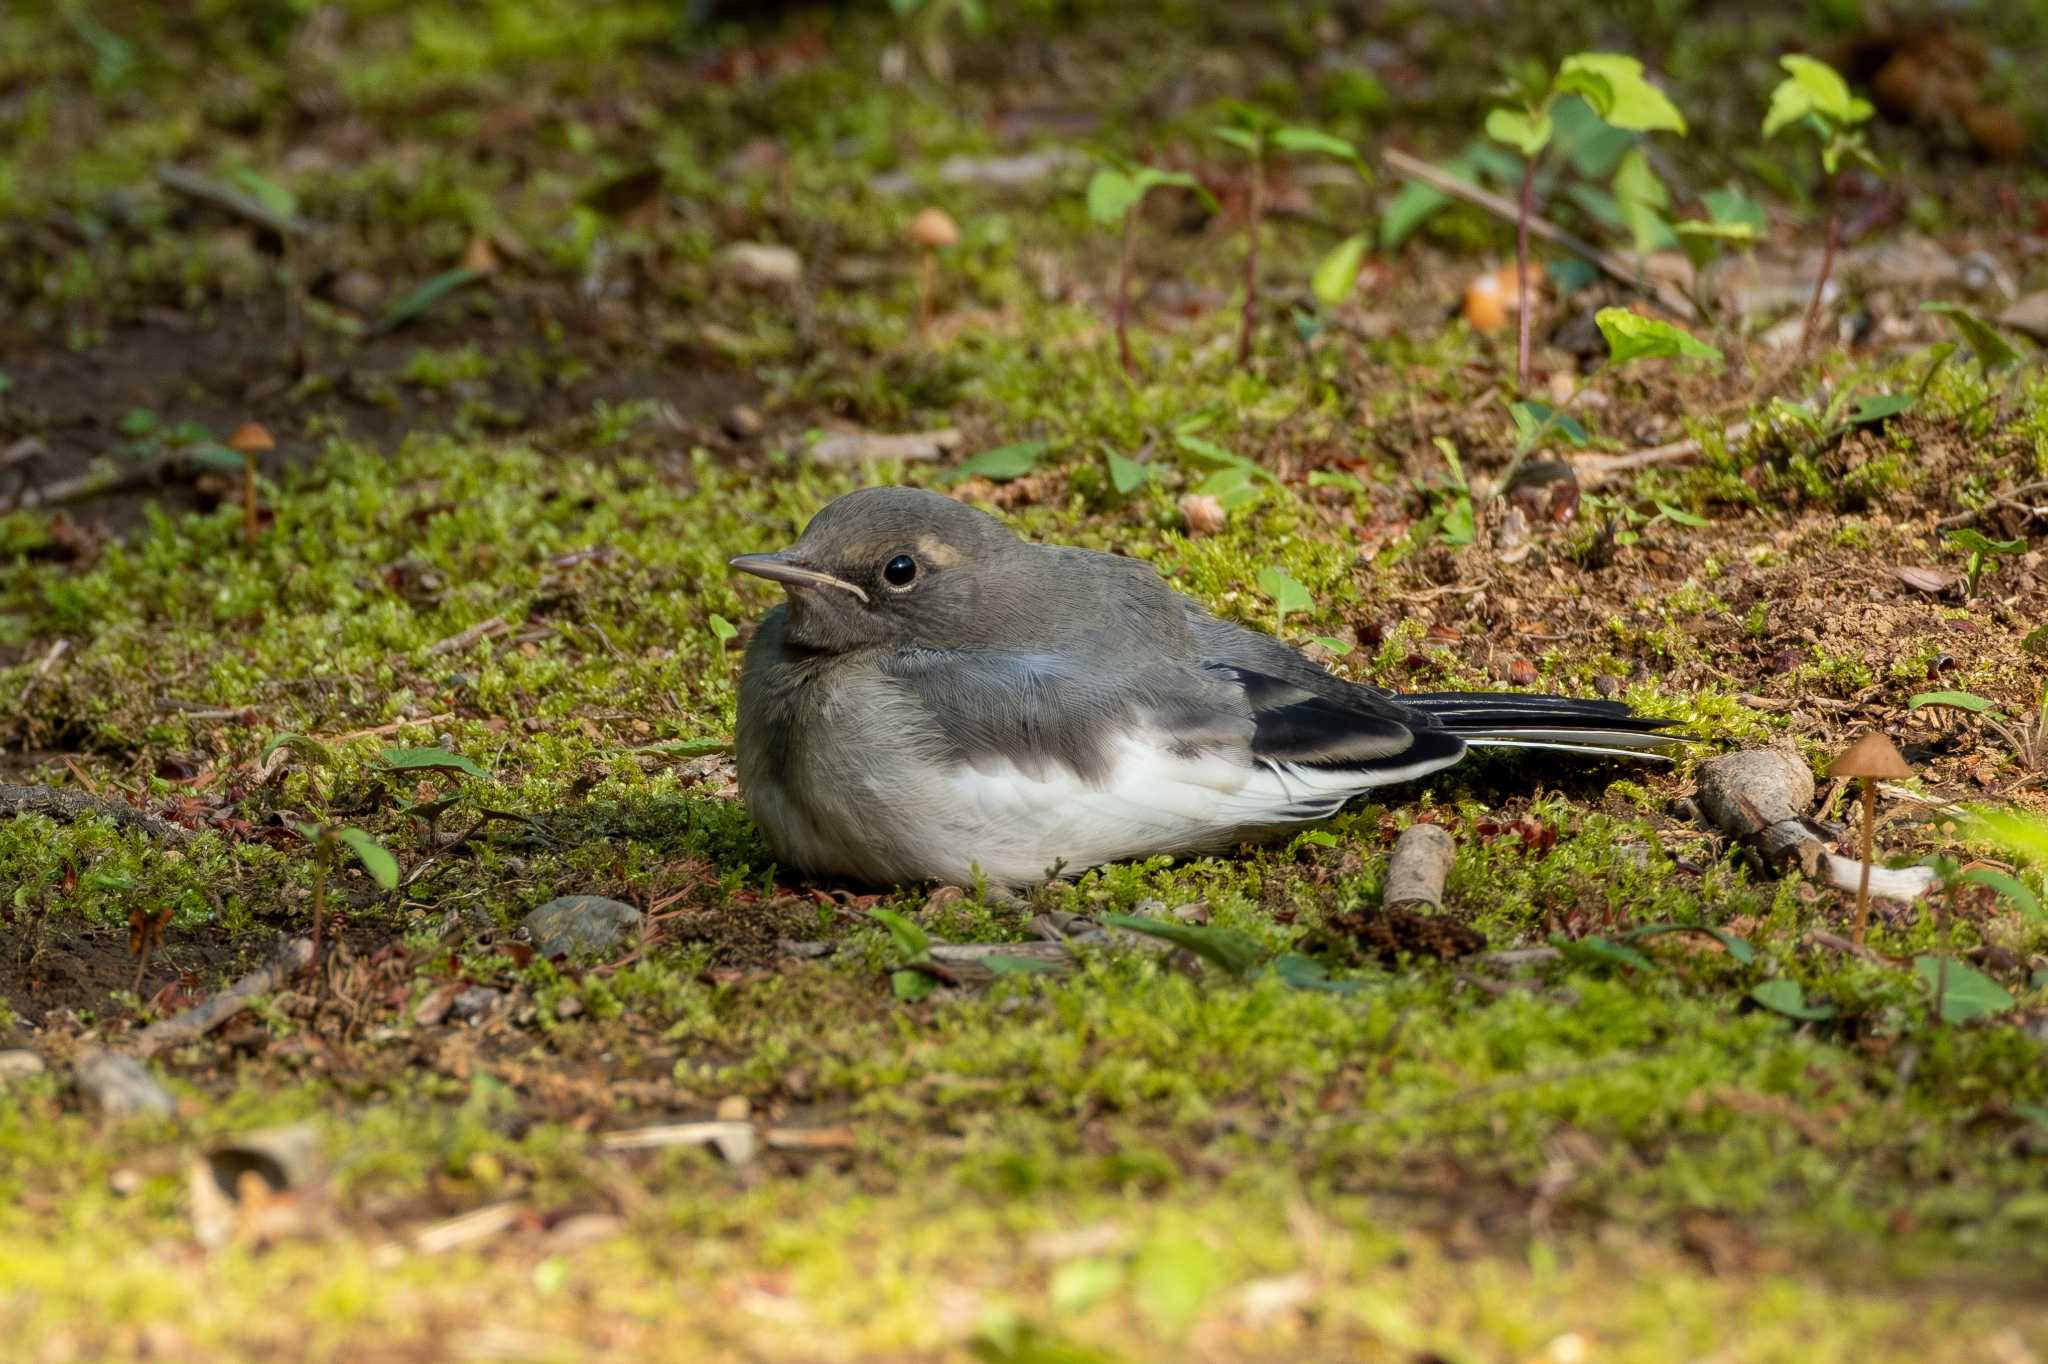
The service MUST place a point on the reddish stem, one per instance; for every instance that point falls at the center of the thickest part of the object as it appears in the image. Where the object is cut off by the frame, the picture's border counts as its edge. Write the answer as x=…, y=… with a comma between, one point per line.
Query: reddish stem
x=1253, y=211
x=1820, y=286
x=1525, y=209
x=248, y=500
x=1123, y=295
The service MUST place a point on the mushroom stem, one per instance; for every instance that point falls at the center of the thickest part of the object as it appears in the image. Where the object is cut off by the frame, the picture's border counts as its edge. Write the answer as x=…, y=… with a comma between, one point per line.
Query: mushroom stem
x=1863, y=881
x=248, y=500
x=927, y=283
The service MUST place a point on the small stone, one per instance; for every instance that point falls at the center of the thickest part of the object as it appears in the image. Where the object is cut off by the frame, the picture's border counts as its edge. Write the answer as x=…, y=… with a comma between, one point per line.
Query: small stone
x=120, y=1086
x=2029, y=315
x=743, y=422
x=19, y=1065
x=734, y=1108
x=760, y=265
x=581, y=925
x=358, y=290
x=475, y=1002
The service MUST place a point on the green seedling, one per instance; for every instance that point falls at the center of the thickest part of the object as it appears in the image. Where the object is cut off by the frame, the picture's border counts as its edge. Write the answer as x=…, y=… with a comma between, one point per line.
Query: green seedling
x=1337, y=273
x=327, y=839
x=1250, y=131
x=1614, y=86
x=2026, y=737
x=1982, y=550
x=1814, y=96
x=1114, y=196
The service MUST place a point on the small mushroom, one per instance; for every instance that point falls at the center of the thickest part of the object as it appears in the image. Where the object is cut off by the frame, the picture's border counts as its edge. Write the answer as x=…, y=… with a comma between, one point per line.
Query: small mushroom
x=250, y=440
x=1870, y=759
x=931, y=231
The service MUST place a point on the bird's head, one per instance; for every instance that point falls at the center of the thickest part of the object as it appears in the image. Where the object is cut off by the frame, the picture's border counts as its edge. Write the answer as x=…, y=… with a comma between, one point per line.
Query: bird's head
x=896, y=567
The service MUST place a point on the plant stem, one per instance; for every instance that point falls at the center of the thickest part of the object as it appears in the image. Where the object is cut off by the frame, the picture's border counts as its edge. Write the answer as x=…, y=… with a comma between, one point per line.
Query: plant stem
x=1253, y=211
x=1123, y=294
x=1820, y=285
x=319, y=903
x=1863, y=881
x=142, y=966
x=1525, y=208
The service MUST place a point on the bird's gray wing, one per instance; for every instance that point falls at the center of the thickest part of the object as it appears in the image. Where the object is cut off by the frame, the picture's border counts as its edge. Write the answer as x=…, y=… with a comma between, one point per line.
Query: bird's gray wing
x=1042, y=709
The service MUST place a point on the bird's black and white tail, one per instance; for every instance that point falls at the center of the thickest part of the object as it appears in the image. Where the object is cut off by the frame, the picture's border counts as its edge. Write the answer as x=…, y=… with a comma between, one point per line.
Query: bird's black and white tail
x=1514, y=720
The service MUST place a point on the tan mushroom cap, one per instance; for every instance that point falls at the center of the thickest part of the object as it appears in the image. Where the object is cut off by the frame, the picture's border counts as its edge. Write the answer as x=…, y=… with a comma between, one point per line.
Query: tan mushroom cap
x=251, y=438
x=933, y=228
x=1871, y=756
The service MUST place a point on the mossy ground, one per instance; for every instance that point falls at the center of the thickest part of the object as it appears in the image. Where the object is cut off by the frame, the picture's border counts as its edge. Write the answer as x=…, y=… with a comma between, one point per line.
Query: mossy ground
x=502, y=529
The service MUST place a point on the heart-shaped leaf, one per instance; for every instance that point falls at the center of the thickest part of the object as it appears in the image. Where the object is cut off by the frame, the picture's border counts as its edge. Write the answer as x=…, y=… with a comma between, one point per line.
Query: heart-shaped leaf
x=909, y=934
x=1631, y=336
x=1288, y=595
x=1964, y=991
x=376, y=859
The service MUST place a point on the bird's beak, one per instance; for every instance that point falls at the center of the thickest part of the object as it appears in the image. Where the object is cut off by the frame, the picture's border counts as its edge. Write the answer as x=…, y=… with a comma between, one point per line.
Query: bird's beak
x=780, y=567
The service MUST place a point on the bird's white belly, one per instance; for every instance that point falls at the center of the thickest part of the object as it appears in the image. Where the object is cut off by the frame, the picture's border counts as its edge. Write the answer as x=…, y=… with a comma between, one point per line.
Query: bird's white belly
x=1016, y=826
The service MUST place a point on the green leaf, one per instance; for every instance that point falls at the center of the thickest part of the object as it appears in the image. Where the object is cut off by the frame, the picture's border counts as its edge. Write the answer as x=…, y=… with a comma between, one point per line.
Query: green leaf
x=1642, y=199
x=1680, y=516
x=1298, y=139
x=1738, y=948
x=376, y=860
x=303, y=747
x=1332, y=643
x=1992, y=350
x=2036, y=642
x=1211, y=455
x=1172, y=1278
x=1978, y=543
x=1826, y=92
x=1784, y=996
x=1631, y=337
x=1001, y=464
x=1337, y=272
x=1954, y=700
x=214, y=455
x=1592, y=145
x=1732, y=208
x=1966, y=992
x=911, y=986
x=1594, y=950
x=422, y=297
x=275, y=197
x=1125, y=473
x=1628, y=101
x=909, y=934
x=1150, y=178
x=1243, y=139
x=2021, y=835
x=1878, y=407
x=1234, y=952
x=1288, y=595
x=1457, y=526
x=1112, y=194
x=1535, y=422
x=2007, y=885
x=1074, y=1287
x=139, y=421
x=1516, y=128
x=1306, y=973
x=431, y=760
x=723, y=628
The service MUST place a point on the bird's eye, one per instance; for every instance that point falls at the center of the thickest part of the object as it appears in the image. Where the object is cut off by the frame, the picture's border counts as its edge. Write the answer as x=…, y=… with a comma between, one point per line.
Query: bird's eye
x=900, y=571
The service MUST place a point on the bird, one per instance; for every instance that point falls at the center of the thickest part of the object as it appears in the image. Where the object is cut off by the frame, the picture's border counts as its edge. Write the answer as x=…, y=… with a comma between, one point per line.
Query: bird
x=940, y=700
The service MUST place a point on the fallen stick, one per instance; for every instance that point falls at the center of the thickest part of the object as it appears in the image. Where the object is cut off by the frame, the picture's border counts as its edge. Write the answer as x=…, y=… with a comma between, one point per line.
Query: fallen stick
x=1616, y=266
x=66, y=806
x=203, y=1018
x=1420, y=862
x=1593, y=468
